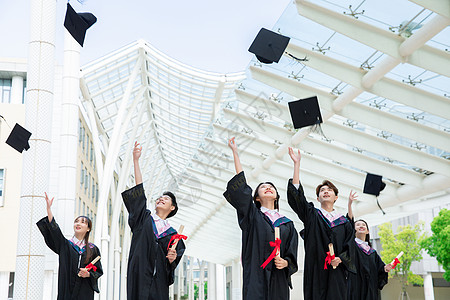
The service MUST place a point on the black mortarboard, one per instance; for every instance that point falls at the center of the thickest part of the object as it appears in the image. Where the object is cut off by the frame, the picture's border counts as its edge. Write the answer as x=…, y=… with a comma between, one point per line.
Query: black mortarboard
x=18, y=138
x=269, y=46
x=373, y=184
x=78, y=23
x=305, y=112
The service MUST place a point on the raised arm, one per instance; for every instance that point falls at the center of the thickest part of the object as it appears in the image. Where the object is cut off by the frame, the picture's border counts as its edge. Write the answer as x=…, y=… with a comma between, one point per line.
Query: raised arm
x=49, y=209
x=237, y=161
x=137, y=170
x=351, y=197
x=296, y=157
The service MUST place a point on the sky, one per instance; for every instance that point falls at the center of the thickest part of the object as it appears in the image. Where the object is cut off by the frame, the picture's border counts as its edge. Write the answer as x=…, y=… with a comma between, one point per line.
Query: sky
x=206, y=34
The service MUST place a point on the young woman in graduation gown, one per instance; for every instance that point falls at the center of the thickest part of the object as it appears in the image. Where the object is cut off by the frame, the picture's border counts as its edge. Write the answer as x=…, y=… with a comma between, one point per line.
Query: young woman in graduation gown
x=321, y=281
x=257, y=219
x=151, y=263
x=75, y=281
x=371, y=272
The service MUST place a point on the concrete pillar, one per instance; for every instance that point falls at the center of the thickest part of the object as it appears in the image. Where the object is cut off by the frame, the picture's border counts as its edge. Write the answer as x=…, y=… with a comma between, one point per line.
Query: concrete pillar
x=36, y=161
x=4, y=285
x=236, y=282
x=220, y=282
x=428, y=287
x=212, y=281
x=16, y=89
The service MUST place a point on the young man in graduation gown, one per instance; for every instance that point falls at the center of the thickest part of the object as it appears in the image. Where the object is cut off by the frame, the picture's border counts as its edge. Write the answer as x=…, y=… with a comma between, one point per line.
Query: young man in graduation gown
x=265, y=277
x=151, y=262
x=321, y=227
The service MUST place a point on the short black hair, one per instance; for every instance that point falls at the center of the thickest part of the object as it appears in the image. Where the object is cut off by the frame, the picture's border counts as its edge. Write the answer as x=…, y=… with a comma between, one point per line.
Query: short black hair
x=258, y=204
x=174, y=203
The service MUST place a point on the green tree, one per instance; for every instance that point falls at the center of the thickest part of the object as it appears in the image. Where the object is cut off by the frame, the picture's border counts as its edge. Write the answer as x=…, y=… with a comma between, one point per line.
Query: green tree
x=438, y=244
x=407, y=240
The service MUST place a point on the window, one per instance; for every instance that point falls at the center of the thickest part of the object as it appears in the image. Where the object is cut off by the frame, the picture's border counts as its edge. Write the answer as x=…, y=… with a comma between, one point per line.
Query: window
x=93, y=190
x=2, y=185
x=96, y=194
x=85, y=179
x=92, y=152
x=5, y=90
x=87, y=146
x=84, y=209
x=82, y=176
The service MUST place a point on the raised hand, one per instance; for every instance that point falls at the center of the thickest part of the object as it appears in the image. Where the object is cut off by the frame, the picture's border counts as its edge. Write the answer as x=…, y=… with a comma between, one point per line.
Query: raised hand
x=296, y=157
x=352, y=197
x=232, y=144
x=49, y=202
x=49, y=207
x=137, y=151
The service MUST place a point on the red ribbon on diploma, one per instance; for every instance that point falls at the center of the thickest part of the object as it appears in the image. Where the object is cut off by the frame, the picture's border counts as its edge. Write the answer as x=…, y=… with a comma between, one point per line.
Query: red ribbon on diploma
x=396, y=262
x=328, y=260
x=277, y=245
x=174, y=238
x=91, y=266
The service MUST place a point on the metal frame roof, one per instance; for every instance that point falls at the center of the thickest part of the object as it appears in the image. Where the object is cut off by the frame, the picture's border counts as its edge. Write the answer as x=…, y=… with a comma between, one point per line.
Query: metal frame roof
x=384, y=98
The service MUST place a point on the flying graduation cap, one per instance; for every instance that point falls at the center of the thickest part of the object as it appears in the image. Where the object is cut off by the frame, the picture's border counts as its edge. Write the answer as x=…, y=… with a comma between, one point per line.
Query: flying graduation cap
x=373, y=185
x=18, y=138
x=268, y=46
x=78, y=23
x=305, y=112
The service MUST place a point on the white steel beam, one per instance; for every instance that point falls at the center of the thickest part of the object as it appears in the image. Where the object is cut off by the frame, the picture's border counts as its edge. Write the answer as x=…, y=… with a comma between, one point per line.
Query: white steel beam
x=355, y=111
x=425, y=57
x=438, y=6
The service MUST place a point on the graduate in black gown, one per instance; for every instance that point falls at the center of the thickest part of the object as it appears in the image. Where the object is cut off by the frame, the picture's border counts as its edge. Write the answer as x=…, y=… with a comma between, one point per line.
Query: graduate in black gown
x=371, y=272
x=322, y=227
x=151, y=263
x=257, y=217
x=75, y=281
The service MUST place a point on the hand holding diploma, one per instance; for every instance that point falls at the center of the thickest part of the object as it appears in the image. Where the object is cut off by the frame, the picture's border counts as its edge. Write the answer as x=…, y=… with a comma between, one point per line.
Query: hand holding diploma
x=396, y=260
x=171, y=252
x=84, y=272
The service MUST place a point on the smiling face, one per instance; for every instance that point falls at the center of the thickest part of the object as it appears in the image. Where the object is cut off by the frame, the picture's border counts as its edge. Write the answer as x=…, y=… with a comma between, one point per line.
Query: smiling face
x=164, y=205
x=326, y=194
x=266, y=192
x=81, y=226
x=361, y=228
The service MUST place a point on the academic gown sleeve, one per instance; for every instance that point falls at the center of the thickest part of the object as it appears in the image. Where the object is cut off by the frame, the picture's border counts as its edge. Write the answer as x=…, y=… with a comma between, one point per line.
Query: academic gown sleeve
x=297, y=201
x=136, y=204
x=172, y=266
x=239, y=195
x=382, y=275
x=95, y=275
x=52, y=234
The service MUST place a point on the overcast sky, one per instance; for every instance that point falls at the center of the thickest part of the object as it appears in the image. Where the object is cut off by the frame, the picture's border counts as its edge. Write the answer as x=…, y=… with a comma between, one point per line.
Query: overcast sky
x=207, y=34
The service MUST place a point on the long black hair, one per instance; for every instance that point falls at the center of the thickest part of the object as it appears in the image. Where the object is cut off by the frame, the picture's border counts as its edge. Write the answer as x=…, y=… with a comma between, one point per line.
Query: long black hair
x=255, y=195
x=89, y=252
x=368, y=234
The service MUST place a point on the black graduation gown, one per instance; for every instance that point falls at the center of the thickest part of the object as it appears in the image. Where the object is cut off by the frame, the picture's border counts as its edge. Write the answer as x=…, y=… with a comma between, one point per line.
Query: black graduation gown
x=370, y=276
x=257, y=231
x=149, y=271
x=71, y=259
x=320, y=283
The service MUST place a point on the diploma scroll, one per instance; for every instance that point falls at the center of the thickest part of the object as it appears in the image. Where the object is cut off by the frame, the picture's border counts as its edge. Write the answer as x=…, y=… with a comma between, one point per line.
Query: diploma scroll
x=175, y=242
x=277, y=236
x=396, y=260
x=330, y=247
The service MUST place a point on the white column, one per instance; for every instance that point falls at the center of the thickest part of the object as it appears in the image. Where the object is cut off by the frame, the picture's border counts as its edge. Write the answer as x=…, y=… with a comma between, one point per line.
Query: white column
x=236, y=284
x=29, y=277
x=201, y=283
x=428, y=287
x=212, y=281
x=16, y=89
x=220, y=282
x=4, y=285
x=190, y=277
x=48, y=285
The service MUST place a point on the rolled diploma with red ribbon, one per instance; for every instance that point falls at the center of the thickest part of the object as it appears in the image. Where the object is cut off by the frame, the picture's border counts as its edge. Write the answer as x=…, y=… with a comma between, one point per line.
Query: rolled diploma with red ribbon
x=330, y=247
x=277, y=236
x=396, y=260
x=92, y=263
x=175, y=242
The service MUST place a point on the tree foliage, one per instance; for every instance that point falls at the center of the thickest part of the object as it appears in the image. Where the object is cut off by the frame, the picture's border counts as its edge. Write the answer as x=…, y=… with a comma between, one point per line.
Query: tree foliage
x=438, y=244
x=408, y=240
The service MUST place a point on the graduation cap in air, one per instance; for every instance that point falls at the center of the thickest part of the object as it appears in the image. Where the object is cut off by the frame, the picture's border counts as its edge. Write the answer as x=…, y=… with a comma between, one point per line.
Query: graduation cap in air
x=18, y=138
x=268, y=46
x=78, y=23
x=373, y=185
x=305, y=112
